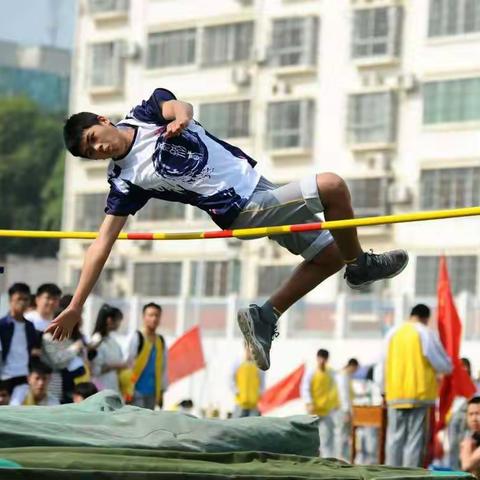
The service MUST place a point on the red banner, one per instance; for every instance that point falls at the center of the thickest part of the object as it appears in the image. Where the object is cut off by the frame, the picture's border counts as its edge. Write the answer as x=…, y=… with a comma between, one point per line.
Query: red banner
x=283, y=391
x=185, y=356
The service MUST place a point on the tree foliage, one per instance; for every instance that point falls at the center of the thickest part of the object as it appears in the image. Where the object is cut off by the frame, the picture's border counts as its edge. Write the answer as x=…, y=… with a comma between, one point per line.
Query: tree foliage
x=31, y=174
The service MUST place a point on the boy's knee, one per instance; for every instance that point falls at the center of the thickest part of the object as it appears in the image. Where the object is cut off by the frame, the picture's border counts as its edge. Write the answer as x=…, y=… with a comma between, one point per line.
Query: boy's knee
x=332, y=186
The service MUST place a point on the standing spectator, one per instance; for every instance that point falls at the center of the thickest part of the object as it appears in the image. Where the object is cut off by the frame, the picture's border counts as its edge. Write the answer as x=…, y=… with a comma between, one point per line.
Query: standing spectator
x=4, y=393
x=47, y=301
x=344, y=417
x=19, y=342
x=248, y=384
x=148, y=352
x=414, y=357
x=470, y=447
x=320, y=394
x=456, y=425
x=38, y=385
x=109, y=360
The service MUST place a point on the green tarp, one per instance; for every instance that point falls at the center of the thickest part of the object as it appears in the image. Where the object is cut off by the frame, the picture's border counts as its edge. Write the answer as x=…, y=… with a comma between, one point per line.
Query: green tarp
x=103, y=439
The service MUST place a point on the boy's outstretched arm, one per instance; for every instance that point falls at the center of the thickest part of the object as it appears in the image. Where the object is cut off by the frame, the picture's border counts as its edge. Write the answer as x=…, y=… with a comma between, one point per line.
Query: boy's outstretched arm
x=95, y=258
x=180, y=114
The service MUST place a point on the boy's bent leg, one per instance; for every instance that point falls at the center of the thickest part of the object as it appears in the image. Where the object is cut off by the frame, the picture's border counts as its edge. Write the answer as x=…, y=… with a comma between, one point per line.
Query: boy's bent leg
x=362, y=268
x=258, y=323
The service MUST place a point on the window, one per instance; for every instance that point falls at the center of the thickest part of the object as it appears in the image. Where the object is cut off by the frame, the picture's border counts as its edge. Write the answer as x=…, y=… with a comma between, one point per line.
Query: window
x=290, y=124
x=451, y=101
x=101, y=6
x=271, y=277
x=107, y=66
x=227, y=43
x=226, y=120
x=462, y=271
x=377, y=31
x=89, y=211
x=453, y=17
x=372, y=117
x=158, y=279
x=369, y=196
x=450, y=188
x=294, y=41
x=215, y=279
x=166, y=49
x=158, y=210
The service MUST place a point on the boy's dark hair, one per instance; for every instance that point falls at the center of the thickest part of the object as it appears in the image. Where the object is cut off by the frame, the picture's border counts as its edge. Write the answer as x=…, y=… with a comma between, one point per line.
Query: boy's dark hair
x=152, y=305
x=50, y=289
x=353, y=362
x=474, y=400
x=420, y=311
x=37, y=366
x=73, y=130
x=85, y=389
x=19, y=288
x=5, y=387
x=322, y=353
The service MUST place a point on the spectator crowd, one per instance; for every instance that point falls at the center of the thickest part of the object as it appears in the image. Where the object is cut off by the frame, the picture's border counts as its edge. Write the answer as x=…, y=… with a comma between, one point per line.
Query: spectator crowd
x=36, y=370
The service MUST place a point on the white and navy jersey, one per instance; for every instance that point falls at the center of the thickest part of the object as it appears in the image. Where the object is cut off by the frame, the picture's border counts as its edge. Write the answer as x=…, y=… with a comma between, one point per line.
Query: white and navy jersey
x=194, y=167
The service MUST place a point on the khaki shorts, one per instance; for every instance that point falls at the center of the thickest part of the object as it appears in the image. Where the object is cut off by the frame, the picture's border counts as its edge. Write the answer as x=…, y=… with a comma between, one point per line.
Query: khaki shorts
x=293, y=203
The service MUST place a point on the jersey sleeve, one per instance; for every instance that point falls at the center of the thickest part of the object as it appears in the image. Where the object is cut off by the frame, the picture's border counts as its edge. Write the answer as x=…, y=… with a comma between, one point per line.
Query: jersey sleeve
x=150, y=111
x=125, y=199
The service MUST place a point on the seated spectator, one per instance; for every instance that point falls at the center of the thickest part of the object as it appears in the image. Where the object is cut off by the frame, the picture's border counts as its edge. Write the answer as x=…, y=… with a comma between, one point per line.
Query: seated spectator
x=83, y=390
x=19, y=343
x=109, y=361
x=38, y=385
x=47, y=301
x=4, y=393
x=470, y=447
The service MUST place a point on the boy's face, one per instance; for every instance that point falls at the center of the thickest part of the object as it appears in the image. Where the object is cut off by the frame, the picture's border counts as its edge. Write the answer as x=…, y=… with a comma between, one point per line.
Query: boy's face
x=77, y=398
x=47, y=304
x=473, y=417
x=151, y=318
x=322, y=362
x=102, y=141
x=19, y=303
x=4, y=397
x=38, y=384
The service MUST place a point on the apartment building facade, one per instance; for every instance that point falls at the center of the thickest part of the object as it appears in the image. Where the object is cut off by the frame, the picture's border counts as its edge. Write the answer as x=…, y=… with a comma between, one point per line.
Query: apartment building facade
x=385, y=93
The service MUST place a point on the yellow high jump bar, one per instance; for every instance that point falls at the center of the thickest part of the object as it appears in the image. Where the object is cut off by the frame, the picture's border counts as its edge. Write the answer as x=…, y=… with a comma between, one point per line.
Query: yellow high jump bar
x=258, y=231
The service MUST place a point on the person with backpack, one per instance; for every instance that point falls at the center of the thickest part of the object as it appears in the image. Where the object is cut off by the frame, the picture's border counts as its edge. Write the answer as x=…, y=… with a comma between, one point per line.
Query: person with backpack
x=148, y=355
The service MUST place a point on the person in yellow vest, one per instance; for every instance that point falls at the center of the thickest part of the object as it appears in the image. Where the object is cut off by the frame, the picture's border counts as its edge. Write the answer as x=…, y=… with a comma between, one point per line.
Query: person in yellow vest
x=148, y=355
x=38, y=379
x=248, y=384
x=320, y=394
x=414, y=356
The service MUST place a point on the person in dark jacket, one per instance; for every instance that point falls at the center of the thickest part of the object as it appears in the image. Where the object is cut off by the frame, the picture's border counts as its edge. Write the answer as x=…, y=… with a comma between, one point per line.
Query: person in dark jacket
x=19, y=343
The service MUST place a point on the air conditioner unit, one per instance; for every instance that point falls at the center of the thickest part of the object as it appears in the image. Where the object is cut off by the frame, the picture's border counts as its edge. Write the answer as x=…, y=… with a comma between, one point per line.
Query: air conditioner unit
x=372, y=79
x=399, y=194
x=241, y=76
x=405, y=81
x=130, y=50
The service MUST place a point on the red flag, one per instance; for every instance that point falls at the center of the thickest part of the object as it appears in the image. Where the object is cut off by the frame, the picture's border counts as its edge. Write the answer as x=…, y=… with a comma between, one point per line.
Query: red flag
x=283, y=391
x=185, y=356
x=458, y=383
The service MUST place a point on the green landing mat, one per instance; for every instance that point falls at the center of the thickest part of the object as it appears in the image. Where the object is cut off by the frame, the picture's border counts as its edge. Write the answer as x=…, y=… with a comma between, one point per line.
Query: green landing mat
x=62, y=463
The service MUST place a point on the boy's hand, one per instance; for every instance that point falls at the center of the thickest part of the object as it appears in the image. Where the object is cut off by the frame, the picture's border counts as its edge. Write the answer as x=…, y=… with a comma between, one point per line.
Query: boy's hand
x=61, y=328
x=176, y=126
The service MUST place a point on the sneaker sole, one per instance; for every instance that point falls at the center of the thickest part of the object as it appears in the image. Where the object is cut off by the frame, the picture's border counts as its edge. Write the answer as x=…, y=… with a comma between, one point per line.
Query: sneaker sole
x=245, y=322
x=365, y=284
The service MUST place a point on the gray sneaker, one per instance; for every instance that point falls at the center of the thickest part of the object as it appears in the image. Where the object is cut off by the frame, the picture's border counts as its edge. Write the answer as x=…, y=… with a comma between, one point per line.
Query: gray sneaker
x=372, y=267
x=258, y=333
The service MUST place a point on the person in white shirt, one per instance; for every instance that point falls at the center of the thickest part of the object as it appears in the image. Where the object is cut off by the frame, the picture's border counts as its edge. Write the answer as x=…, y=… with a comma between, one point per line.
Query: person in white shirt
x=47, y=300
x=344, y=416
x=19, y=342
x=109, y=359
